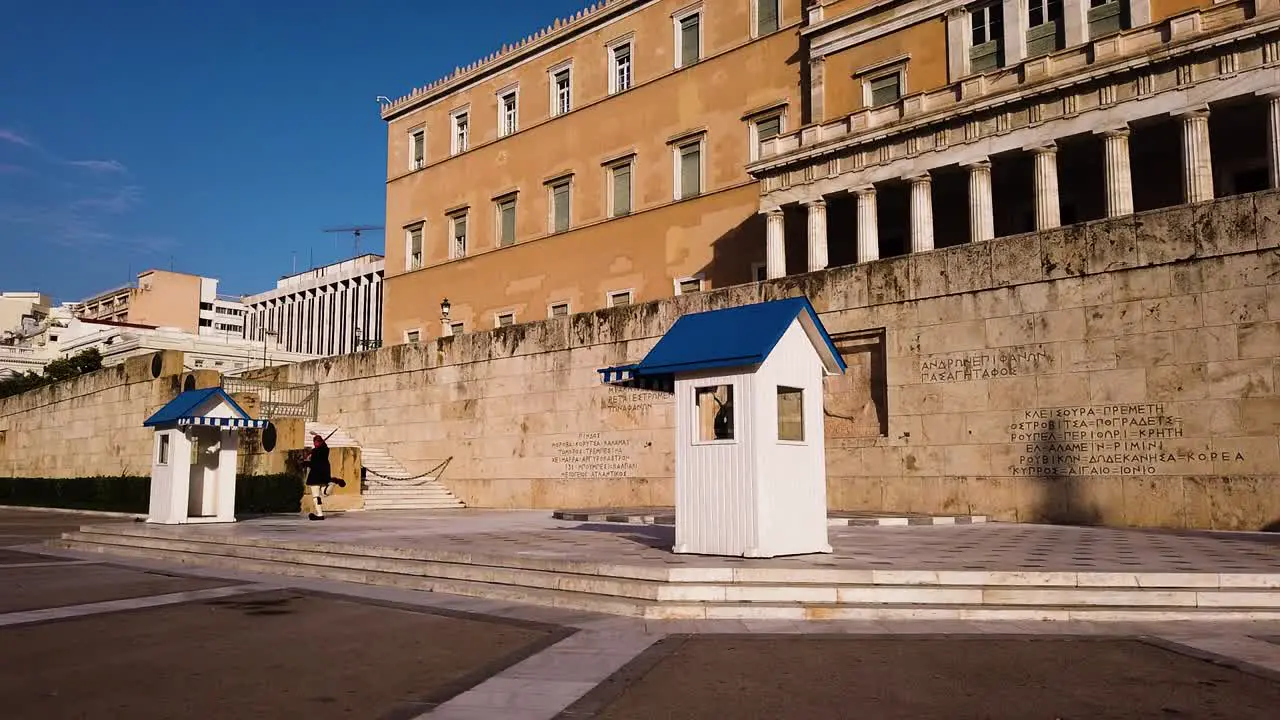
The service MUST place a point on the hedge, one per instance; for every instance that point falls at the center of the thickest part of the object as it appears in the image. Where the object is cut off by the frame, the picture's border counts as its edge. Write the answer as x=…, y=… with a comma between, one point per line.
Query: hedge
x=131, y=493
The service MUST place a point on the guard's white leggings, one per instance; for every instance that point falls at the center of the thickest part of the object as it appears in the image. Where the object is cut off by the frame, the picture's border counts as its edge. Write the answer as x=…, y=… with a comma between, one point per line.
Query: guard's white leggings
x=316, y=492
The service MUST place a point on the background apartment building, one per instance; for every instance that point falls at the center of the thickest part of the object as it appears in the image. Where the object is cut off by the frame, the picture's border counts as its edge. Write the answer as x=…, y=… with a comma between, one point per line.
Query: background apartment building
x=330, y=310
x=645, y=148
x=163, y=298
x=599, y=162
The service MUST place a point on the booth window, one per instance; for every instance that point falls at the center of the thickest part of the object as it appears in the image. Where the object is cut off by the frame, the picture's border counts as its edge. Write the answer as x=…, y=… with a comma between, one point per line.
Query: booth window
x=162, y=457
x=790, y=414
x=715, y=413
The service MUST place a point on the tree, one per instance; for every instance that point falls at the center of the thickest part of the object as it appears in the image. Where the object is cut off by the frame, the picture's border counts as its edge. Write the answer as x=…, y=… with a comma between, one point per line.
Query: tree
x=85, y=361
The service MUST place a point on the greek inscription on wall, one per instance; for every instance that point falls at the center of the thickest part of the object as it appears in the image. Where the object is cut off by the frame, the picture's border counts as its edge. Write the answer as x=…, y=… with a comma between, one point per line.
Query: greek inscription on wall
x=590, y=455
x=986, y=364
x=1102, y=440
x=630, y=400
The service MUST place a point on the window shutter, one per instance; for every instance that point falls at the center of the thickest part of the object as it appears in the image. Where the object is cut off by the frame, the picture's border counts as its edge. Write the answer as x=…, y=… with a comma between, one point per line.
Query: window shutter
x=622, y=190
x=689, y=50
x=690, y=171
x=766, y=16
x=766, y=129
x=508, y=223
x=885, y=90
x=561, y=202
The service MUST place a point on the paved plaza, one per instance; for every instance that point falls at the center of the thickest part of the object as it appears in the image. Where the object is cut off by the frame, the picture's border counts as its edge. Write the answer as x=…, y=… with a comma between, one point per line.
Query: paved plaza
x=84, y=637
x=988, y=546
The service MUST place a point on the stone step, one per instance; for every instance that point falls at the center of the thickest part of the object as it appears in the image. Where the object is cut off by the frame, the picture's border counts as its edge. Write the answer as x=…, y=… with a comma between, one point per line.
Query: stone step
x=392, y=491
x=513, y=593
x=712, y=595
x=416, y=505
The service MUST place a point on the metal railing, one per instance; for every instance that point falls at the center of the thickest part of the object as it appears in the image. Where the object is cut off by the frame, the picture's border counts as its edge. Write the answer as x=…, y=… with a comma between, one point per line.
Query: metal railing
x=278, y=399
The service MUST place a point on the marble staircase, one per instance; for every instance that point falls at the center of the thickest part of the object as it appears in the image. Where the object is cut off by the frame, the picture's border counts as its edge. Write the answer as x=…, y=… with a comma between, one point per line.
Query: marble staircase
x=388, y=485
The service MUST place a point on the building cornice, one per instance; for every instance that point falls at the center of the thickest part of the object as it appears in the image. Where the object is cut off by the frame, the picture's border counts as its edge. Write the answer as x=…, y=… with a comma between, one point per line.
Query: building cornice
x=559, y=33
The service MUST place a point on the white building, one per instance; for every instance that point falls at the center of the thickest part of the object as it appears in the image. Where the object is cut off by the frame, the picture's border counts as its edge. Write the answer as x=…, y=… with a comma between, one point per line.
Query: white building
x=331, y=310
x=118, y=341
x=21, y=311
x=220, y=315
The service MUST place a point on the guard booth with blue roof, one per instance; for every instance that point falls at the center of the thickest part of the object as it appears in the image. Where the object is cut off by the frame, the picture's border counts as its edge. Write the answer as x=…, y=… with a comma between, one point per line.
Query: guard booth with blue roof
x=193, y=461
x=750, y=452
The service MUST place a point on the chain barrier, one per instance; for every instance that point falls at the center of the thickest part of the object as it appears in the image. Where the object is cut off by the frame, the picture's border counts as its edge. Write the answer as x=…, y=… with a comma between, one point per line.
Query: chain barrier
x=415, y=480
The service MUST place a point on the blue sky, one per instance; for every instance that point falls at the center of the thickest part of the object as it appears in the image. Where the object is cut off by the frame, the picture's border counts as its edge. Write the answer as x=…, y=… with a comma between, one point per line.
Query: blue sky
x=216, y=138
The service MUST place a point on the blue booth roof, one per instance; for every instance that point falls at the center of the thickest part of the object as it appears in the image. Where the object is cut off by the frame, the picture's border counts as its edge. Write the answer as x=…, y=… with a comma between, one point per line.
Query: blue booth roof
x=728, y=338
x=182, y=411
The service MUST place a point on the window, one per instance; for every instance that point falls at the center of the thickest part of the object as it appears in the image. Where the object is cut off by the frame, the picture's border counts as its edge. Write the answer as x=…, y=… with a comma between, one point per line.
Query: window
x=620, y=189
x=620, y=67
x=506, y=222
x=413, y=337
x=688, y=38
x=760, y=272
x=987, y=27
x=508, y=113
x=418, y=148
x=558, y=310
x=559, y=202
x=203, y=305
x=885, y=89
x=790, y=414
x=504, y=319
x=688, y=169
x=205, y=322
x=620, y=298
x=461, y=132
x=766, y=16
x=413, y=238
x=458, y=233
x=457, y=328
x=561, y=90
x=1044, y=25
x=162, y=455
x=764, y=129
x=715, y=412
x=688, y=285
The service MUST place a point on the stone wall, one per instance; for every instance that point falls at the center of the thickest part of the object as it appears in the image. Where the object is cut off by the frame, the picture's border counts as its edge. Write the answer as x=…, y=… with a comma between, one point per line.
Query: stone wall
x=1120, y=371
x=91, y=425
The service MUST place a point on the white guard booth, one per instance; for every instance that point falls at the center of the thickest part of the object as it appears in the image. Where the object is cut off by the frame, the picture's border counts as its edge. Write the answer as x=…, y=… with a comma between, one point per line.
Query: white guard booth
x=750, y=457
x=193, y=460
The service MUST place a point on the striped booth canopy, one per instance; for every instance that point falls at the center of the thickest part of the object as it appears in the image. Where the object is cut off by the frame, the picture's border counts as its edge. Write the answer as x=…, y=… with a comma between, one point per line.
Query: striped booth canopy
x=211, y=407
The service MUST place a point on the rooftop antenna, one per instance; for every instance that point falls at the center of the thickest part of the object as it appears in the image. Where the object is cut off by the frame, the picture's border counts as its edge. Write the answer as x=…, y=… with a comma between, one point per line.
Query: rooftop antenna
x=354, y=230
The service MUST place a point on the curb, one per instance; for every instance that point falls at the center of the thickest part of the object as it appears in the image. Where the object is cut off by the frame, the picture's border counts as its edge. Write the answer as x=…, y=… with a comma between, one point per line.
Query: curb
x=837, y=520
x=73, y=511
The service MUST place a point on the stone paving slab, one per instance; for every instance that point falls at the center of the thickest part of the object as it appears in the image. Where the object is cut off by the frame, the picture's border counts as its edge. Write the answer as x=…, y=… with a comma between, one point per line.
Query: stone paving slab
x=30, y=588
x=924, y=678
x=14, y=557
x=20, y=527
x=989, y=546
x=274, y=654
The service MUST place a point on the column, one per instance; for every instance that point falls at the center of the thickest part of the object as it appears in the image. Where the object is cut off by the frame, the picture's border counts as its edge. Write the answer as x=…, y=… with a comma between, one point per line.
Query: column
x=817, y=234
x=921, y=213
x=868, y=224
x=1115, y=150
x=982, y=223
x=1197, y=164
x=1273, y=138
x=1048, y=215
x=776, y=246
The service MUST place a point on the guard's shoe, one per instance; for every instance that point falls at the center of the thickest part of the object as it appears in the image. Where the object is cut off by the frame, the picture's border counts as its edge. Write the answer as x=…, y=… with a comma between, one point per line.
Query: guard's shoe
x=340, y=482
x=314, y=516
